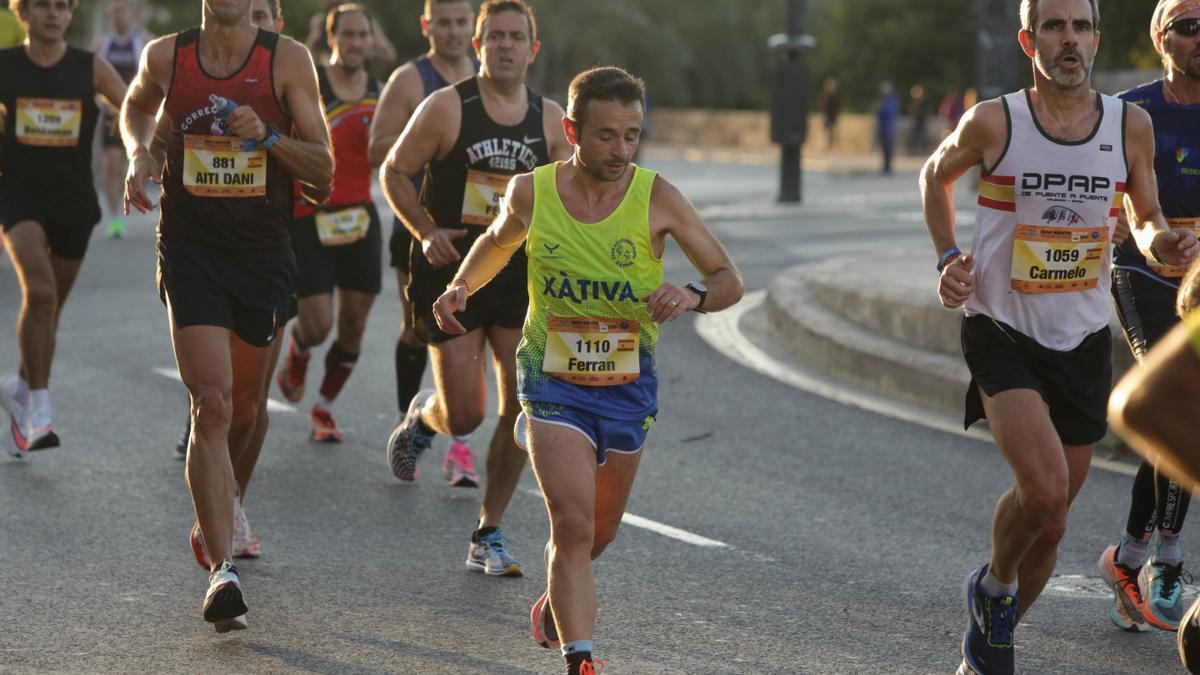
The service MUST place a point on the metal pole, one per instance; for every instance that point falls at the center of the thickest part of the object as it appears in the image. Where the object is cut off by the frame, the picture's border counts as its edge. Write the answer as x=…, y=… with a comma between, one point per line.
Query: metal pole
x=790, y=175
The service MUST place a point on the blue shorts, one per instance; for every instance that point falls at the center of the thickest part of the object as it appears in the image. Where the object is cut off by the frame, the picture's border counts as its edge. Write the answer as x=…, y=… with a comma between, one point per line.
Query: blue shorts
x=604, y=433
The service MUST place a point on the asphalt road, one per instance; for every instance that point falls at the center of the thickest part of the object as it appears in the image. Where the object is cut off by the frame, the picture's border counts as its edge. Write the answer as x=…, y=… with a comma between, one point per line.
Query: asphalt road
x=810, y=537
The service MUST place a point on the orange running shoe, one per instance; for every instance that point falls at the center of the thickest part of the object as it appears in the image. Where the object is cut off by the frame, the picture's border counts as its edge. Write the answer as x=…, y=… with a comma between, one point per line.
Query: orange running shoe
x=1128, y=607
x=292, y=373
x=324, y=429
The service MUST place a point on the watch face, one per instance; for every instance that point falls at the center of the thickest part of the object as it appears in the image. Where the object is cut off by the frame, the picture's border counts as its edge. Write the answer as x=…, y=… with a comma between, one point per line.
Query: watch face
x=697, y=286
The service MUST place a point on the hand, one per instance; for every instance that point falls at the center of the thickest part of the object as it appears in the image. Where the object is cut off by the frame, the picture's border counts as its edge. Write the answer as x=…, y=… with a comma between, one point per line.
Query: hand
x=1176, y=247
x=1121, y=231
x=244, y=122
x=438, y=246
x=453, y=299
x=143, y=168
x=956, y=283
x=669, y=302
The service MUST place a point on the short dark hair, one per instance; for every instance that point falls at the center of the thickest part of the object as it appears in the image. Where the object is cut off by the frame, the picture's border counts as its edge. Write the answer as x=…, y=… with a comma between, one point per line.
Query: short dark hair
x=334, y=15
x=1029, y=14
x=16, y=5
x=430, y=3
x=493, y=7
x=606, y=83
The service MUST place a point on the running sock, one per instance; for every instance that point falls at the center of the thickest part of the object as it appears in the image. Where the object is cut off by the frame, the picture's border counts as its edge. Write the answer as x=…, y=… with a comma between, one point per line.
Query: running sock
x=465, y=440
x=996, y=588
x=481, y=532
x=410, y=368
x=40, y=407
x=577, y=647
x=22, y=393
x=338, y=365
x=1133, y=552
x=323, y=403
x=1168, y=550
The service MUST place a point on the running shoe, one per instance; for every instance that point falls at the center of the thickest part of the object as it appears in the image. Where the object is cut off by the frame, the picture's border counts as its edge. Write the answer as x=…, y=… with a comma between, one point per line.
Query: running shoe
x=198, y=548
x=521, y=431
x=459, y=465
x=987, y=647
x=292, y=374
x=16, y=414
x=545, y=633
x=181, y=445
x=490, y=556
x=407, y=441
x=1127, y=605
x=1187, y=638
x=324, y=429
x=116, y=228
x=245, y=544
x=1161, y=585
x=224, y=604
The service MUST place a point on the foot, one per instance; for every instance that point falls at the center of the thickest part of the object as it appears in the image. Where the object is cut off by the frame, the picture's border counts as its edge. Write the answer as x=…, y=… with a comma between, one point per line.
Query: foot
x=407, y=441
x=181, y=445
x=459, y=465
x=245, y=544
x=324, y=429
x=292, y=374
x=30, y=429
x=116, y=228
x=198, y=548
x=490, y=556
x=988, y=641
x=1127, y=605
x=224, y=604
x=1161, y=586
x=545, y=633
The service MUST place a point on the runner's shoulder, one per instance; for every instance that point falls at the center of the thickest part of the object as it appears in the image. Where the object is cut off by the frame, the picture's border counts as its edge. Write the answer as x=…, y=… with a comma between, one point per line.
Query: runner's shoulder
x=666, y=199
x=293, y=55
x=159, y=55
x=520, y=192
x=1148, y=95
x=444, y=101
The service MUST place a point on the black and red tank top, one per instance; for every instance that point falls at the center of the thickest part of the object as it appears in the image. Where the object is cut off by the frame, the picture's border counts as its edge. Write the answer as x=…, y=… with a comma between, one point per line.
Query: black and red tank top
x=349, y=129
x=216, y=191
x=464, y=189
x=46, y=146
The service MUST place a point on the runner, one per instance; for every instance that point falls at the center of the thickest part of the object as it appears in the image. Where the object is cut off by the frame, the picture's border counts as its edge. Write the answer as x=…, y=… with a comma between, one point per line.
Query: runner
x=470, y=139
x=1155, y=407
x=380, y=51
x=225, y=263
x=337, y=244
x=267, y=15
x=122, y=47
x=48, y=203
x=1057, y=160
x=594, y=229
x=448, y=25
x=1147, y=588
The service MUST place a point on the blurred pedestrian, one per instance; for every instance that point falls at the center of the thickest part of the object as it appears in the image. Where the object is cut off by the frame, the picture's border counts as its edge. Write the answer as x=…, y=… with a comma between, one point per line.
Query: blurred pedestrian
x=885, y=123
x=831, y=106
x=951, y=109
x=382, y=50
x=918, y=112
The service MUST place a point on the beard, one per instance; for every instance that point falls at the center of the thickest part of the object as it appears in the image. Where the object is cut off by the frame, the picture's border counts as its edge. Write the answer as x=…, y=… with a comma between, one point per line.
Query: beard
x=1053, y=69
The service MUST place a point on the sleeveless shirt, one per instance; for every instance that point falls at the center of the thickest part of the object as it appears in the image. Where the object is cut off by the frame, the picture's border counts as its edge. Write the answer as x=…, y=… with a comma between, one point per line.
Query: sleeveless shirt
x=349, y=130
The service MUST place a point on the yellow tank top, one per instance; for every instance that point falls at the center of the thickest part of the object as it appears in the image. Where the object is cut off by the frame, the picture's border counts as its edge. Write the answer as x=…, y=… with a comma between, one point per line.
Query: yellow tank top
x=588, y=340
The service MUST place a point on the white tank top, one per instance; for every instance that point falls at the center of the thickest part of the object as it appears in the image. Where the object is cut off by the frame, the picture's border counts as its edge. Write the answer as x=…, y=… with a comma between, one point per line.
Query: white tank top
x=1042, y=230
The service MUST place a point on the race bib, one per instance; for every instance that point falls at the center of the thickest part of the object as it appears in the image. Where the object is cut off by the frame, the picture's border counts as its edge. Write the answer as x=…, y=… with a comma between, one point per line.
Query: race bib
x=481, y=200
x=592, y=352
x=48, y=122
x=335, y=228
x=1049, y=259
x=1168, y=270
x=220, y=166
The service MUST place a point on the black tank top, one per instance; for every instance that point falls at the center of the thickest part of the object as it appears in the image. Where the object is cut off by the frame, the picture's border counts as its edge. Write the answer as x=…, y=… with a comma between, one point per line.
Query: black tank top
x=215, y=192
x=48, y=131
x=464, y=188
x=431, y=81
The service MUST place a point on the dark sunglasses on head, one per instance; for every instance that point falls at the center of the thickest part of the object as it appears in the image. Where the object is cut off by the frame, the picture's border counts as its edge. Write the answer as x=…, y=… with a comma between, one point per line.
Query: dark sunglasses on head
x=1185, y=27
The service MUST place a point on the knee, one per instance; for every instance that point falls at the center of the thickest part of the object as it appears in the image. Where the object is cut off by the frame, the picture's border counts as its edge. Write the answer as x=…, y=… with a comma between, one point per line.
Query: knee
x=245, y=411
x=1046, y=499
x=350, y=331
x=40, y=295
x=606, y=532
x=212, y=410
x=463, y=419
x=573, y=530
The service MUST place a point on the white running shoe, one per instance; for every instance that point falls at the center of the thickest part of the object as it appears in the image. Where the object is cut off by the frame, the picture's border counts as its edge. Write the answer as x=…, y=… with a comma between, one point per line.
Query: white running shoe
x=224, y=604
x=245, y=544
x=490, y=556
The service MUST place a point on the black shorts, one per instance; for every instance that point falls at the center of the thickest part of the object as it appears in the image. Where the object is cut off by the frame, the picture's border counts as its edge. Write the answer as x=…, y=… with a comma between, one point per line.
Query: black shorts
x=68, y=227
x=1146, y=308
x=1075, y=384
x=356, y=266
x=490, y=306
x=248, y=292
x=400, y=245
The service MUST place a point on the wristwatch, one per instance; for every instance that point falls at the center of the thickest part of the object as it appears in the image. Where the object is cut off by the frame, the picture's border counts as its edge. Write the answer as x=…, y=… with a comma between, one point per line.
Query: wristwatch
x=272, y=136
x=700, y=290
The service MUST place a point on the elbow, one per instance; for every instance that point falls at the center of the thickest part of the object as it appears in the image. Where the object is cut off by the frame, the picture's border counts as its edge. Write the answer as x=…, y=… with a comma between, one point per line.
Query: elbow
x=376, y=153
x=1128, y=409
x=738, y=290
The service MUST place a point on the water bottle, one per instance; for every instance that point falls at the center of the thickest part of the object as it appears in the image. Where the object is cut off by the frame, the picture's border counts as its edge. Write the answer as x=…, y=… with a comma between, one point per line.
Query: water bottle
x=225, y=108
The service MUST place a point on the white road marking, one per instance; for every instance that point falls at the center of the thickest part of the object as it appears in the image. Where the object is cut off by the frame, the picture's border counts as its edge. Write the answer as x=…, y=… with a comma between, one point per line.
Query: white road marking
x=664, y=529
x=272, y=404
x=722, y=332
x=1080, y=585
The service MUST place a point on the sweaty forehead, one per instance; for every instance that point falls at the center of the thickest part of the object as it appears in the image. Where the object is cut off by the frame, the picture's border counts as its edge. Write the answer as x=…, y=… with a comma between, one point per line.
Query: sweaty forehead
x=1070, y=10
x=507, y=21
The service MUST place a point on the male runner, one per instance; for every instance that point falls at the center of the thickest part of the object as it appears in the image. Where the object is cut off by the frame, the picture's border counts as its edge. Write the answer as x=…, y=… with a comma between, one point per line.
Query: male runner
x=595, y=229
x=337, y=244
x=470, y=139
x=233, y=94
x=1146, y=589
x=48, y=203
x=448, y=25
x=1155, y=407
x=1057, y=159
x=122, y=47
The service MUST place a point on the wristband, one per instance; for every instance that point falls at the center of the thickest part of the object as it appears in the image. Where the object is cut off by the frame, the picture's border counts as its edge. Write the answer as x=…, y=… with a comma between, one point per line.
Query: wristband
x=271, y=138
x=947, y=257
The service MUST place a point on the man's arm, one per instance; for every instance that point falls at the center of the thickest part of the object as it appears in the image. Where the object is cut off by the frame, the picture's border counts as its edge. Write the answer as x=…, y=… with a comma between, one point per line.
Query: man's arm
x=718, y=273
x=425, y=137
x=400, y=97
x=1156, y=404
x=489, y=254
x=1150, y=231
x=308, y=158
x=145, y=96
x=557, y=145
x=108, y=82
